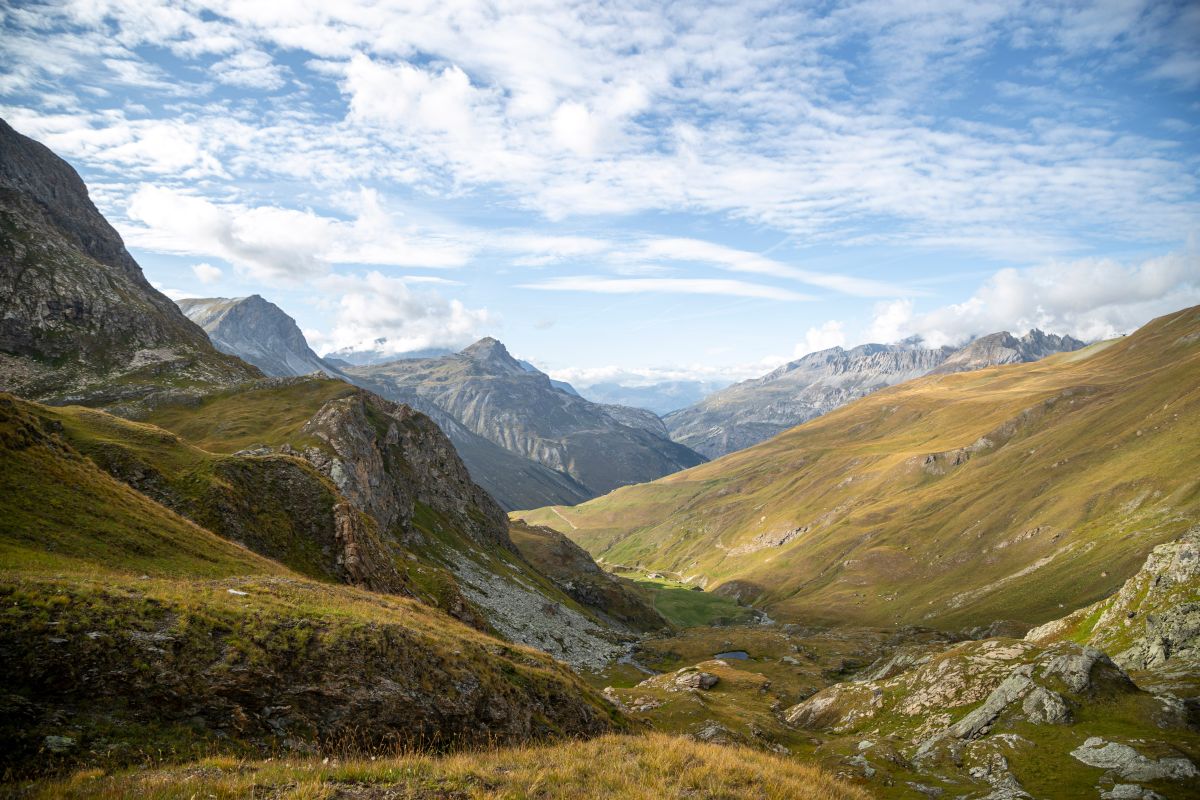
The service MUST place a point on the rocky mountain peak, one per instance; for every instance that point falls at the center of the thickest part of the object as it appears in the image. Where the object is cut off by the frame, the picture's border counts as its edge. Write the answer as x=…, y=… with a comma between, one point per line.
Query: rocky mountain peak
x=492, y=353
x=258, y=331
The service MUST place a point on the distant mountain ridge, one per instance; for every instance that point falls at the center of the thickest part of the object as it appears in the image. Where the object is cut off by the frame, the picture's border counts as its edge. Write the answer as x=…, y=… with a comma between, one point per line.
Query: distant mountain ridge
x=496, y=397
x=256, y=331
x=756, y=410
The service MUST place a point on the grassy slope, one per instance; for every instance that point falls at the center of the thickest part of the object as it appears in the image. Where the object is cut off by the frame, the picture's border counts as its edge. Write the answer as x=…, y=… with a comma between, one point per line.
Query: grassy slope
x=646, y=767
x=127, y=629
x=1092, y=461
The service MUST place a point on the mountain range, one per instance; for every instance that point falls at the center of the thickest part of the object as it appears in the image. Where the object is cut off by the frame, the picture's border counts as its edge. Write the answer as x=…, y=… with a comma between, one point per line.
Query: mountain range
x=493, y=395
x=285, y=538
x=755, y=410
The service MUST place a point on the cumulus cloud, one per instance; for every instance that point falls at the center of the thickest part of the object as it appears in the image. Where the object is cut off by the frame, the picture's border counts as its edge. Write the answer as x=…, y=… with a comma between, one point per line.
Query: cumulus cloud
x=206, y=273
x=375, y=307
x=1090, y=299
x=281, y=244
x=830, y=334
x=252, y=69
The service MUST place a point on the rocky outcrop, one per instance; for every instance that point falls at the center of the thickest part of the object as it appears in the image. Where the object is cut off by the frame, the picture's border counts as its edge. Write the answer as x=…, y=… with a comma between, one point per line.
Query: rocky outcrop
x=756, y=410
x=493, y=395
x=1151, y=626
x=258, y=332
x=78, y=320
x=978, y=710
x=388, y=460
x=270, y=664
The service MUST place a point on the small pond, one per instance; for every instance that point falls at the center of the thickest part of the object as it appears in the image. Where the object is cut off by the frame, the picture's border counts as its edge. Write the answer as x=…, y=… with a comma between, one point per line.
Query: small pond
x=741, y=655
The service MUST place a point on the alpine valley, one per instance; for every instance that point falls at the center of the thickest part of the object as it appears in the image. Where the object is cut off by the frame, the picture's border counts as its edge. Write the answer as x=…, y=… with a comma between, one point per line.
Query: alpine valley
x=232, y=567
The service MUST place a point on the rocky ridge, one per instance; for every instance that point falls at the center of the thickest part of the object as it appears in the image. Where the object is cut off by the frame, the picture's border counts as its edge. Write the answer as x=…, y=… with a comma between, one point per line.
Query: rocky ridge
x=756, y=410
x=493, y=395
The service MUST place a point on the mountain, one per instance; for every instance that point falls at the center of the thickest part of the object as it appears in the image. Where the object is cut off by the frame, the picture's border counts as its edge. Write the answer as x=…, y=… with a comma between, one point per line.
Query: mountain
x=662, y=398
x=494, y=396
x=755, y=410
x=256, y=331
x=78, y=319
x=1004, y=348
x=950, y=500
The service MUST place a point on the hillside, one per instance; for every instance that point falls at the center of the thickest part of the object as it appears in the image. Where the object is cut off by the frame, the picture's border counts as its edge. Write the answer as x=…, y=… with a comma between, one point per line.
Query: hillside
x=131, y=631
x=256, y=331
x=494, y=396
x=1007, y=493
x=78, y=319
x=651, y=767
x=755, y=410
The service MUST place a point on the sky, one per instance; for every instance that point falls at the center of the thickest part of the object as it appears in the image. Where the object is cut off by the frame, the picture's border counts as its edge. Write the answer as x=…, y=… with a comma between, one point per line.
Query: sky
x=636, y=191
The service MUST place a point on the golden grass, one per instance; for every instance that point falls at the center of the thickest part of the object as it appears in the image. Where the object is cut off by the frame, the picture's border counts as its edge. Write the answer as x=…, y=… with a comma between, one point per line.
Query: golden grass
x=635, y=767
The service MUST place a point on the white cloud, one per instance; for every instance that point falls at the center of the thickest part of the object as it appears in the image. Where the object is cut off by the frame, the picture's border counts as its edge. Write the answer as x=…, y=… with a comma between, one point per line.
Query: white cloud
x=280, y=244
x=373, y=307
x=830, y=334
x=1090, y=299
x=252, y=69
x=206, y=273
x=891, y=321
x=709, y=286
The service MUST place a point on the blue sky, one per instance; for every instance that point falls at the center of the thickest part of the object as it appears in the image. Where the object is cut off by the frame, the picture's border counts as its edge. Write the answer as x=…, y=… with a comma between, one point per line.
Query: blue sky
x=636, y=190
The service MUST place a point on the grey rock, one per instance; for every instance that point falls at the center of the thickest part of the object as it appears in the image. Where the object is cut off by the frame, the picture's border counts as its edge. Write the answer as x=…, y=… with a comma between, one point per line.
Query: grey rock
x=58, y=744
x=258, y=332
x=1075, y=668
x=696, y=680
x=1014, y=687
x=1045, y=707
x=1130, y=764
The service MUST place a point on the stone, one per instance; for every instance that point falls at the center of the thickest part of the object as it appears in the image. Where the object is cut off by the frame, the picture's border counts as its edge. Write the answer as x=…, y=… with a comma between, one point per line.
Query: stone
x=58, y=744
x=1130, y=764
x=1043, y=706
x=1014, y=687
x=696, y=680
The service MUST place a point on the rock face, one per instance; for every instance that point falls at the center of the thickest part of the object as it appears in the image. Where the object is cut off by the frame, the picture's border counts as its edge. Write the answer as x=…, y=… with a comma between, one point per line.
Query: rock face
x=389, y=459
x=258, y=332
x=494, y=396
x=78, y=320
x=756, y=410
x=1152, y=624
